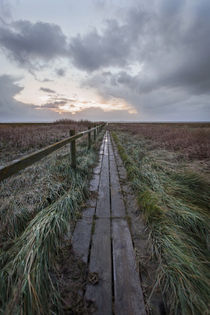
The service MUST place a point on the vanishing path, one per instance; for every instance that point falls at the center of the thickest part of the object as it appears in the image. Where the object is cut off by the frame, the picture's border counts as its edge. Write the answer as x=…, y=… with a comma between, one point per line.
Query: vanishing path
x=103, y=240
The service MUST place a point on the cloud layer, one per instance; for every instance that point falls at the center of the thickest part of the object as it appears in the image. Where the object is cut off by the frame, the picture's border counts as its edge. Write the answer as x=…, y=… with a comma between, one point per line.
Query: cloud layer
x=167, y=46
x=155, y=57
x=31, y=44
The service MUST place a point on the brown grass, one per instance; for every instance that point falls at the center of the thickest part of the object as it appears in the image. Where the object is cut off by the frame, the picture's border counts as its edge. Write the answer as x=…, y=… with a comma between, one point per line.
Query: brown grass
x=192, y=140
x=17, y=139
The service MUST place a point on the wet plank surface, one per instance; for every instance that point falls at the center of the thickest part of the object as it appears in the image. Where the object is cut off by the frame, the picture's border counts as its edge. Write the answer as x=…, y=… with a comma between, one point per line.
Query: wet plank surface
x=81, y=239
x=104, y=242
x=101, y=263
x=103, y=202
x=117, y=204
x=127, y=291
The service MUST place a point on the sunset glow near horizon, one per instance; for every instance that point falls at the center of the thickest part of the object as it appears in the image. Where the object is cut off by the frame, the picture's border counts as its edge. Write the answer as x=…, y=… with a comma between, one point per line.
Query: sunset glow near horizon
x=75, y=101
x=104, y=60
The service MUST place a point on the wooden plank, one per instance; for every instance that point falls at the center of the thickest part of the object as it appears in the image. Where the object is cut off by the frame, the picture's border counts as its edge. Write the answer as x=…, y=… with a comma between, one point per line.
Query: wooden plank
x=91, y=202
x=117, y=203
x=106, y=152
x=128, y=296
x=97, y=168
x=119, y=163
x=101, y=151
x=100, y=262
x=111, y=153
x=81, y=237
x=103, y=204
x=96, y=171
x=94, y=182
x=88, y=212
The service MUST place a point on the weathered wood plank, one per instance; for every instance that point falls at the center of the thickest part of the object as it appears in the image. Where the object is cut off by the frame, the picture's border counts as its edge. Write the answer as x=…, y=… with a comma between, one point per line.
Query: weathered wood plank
x=81, y=237
x=88, y=212
x=119, y=162
x=106, y=152
x=117, y=203
x=100, y=262
x=101, y=151
x=97, y=169
x=91, y=202
x=111, y=153
x=103, y=204
x=94, y=182
x=127, y=290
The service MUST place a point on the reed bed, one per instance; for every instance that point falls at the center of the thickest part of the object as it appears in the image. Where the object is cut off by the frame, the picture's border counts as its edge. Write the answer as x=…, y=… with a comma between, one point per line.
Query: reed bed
x=175, y=203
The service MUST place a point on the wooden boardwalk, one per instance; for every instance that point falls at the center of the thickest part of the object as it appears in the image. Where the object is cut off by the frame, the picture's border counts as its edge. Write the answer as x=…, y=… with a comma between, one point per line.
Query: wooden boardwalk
x=103, y=240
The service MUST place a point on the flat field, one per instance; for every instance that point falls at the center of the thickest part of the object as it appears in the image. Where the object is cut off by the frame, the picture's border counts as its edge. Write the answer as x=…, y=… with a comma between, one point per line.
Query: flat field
x=18, y=139
x=38, y=208
x=168, y=166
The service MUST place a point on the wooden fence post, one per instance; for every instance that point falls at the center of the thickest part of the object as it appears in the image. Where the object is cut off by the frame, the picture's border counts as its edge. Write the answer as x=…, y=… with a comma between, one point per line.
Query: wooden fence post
x=73, y=150
x=89, y=138
x=94, y=134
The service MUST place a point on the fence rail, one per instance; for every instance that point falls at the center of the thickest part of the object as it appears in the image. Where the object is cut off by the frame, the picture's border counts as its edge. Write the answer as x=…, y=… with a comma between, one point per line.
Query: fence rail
x=20, y=164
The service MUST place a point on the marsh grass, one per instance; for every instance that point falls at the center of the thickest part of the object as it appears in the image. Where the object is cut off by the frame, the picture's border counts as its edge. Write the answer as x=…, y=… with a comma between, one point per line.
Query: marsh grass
x=175, y=203
x=35, y=188
x=190, y=140
x=28, y=262
x=18, y=139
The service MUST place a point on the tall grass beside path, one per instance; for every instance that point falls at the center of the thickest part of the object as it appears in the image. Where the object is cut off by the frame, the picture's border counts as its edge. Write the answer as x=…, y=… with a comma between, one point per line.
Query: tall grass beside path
x=175, y=202
x=26, y=283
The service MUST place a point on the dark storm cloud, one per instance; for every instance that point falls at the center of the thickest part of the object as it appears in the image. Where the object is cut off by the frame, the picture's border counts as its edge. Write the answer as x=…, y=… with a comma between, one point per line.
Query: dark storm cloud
x=94, y=51
x=169, y=38
x=171, y=41
x=31, y=43
x=60, y=72
x=47, y=90
x=117, y=45
x=54, y=105
x=169, y=47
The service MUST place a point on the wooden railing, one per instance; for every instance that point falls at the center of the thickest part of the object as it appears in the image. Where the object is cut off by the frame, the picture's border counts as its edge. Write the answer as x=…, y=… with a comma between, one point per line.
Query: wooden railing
x=20, y=164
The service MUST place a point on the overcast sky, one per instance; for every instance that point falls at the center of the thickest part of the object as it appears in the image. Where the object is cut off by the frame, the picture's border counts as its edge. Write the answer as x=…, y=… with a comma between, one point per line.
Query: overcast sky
x=105, y=60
